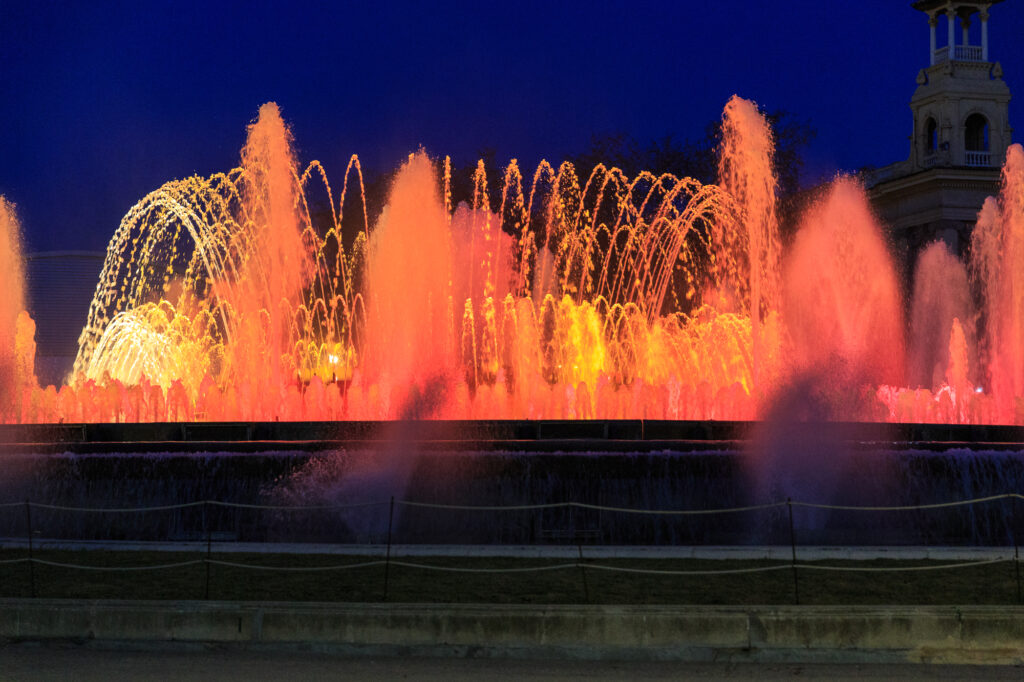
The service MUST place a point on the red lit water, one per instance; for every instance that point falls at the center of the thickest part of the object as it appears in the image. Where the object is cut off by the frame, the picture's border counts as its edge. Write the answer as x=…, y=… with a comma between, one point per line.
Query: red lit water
x=265, y=293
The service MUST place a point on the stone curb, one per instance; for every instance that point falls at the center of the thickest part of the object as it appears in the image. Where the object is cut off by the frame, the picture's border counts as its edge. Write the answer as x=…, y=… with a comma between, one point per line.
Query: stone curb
x=949, y=634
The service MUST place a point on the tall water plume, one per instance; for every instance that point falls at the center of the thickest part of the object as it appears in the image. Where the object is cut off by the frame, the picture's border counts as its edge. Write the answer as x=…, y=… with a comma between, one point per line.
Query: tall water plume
x=277, y=265
x=941, y=297
x=746, y=172
x=997, y=265
x=409, y=328
x=12, y=303
x=842, y=305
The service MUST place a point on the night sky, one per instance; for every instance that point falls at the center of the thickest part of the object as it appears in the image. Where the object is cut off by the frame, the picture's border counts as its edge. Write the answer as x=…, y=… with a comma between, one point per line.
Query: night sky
x=102, y=103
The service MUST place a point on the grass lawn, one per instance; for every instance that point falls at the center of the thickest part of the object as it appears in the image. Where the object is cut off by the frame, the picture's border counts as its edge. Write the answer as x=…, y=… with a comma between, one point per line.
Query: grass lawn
x=987, y=584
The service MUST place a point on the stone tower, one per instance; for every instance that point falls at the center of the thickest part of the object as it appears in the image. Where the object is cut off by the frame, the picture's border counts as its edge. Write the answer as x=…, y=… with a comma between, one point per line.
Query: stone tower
x=961, y=131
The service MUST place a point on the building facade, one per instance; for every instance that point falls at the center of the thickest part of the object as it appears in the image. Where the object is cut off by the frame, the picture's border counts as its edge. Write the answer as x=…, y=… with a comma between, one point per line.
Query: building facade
x=961, y=132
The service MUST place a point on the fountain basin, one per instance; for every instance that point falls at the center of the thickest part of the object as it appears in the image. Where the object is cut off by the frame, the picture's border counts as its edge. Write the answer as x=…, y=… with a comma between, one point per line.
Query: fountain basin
x=672, y=466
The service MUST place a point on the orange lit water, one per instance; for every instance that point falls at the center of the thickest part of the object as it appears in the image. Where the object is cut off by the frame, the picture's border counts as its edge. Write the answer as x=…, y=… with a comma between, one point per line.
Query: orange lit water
x=240, y=296
x=16, y=358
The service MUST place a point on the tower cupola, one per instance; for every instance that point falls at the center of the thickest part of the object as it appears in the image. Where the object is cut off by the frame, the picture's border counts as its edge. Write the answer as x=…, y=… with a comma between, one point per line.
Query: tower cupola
x=960, y=107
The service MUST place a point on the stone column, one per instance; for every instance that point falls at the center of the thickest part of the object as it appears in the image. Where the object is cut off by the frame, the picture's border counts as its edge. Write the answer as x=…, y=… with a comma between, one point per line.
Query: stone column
x=933, y=21
x=951, y=19
x=965, y=23
x=984, y=35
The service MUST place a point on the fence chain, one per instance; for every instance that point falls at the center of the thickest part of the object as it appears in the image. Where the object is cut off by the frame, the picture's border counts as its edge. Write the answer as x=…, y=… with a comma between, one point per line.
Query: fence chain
x=519, y=507
x=580, y=564
x=515, y=569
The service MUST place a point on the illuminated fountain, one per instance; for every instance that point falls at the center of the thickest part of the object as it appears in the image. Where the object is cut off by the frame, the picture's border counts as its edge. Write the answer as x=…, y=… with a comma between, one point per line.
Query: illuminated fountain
x=233, y=297
x=17, y=330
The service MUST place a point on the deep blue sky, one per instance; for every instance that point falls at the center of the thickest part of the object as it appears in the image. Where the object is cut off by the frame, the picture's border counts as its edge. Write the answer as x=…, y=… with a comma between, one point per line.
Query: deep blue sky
x=103, y=102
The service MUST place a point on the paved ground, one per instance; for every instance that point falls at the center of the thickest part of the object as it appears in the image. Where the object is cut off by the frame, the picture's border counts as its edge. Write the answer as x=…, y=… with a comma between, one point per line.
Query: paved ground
x=35, y=662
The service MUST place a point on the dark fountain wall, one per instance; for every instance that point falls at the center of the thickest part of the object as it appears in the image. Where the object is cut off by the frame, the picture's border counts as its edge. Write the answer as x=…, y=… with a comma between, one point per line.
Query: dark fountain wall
x=676, y=478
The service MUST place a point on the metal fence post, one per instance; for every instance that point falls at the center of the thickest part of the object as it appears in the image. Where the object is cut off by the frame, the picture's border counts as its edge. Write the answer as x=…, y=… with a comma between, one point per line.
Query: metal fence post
x=583, y=574
x=31, y=554
x=1016, y=546
x=209, y=543
x=792, y=546
x=387, y=554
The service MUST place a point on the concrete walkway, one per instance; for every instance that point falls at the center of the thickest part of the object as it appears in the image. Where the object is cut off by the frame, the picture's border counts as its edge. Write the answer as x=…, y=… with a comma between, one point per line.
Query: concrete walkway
x=34, y=663
x=847, y=634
